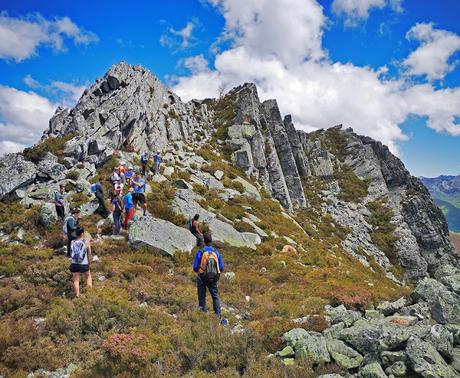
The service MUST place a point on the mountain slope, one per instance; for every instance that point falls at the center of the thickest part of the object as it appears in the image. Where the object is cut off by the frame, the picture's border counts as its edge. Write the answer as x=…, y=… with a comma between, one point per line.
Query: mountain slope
x=446, y=190
x=360, y=225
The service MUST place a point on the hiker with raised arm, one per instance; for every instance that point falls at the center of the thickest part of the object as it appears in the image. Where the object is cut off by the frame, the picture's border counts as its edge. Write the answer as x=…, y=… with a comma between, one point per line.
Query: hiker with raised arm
x=70, y=227
x=139, y=192
x=117, y=210
x=157, y=161
x=58, y=199
x=194, y=228
x=129, y=207
x=80, y=253
x=208, y=265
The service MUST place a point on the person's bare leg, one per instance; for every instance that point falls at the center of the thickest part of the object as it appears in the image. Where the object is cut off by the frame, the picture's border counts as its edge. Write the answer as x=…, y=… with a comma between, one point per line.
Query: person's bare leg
x=89, y=279
x=76, y=283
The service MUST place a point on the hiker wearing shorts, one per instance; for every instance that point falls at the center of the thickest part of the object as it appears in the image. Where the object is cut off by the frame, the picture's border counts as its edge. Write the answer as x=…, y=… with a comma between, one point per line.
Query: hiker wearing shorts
x=208, y=265
x=58, y=199
x=139, y=192
x=80, y=252
x=129, y=207
x=70, y=227
x=117, y=210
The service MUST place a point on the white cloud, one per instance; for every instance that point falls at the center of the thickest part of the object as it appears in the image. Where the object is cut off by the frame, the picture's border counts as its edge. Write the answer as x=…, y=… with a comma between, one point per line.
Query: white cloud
x=432, y=57
x=355, y=11
x=180, y=39
x=20, y=38
x=318, y=93
x=195, y=64
x=68, y=93
x=24, y=116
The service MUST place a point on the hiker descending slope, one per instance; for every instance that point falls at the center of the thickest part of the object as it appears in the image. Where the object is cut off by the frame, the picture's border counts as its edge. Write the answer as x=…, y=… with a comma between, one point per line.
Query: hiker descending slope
x=70, y=227
x=209, y=264
x=58, y=199
x=98, y=191
x=80, y=252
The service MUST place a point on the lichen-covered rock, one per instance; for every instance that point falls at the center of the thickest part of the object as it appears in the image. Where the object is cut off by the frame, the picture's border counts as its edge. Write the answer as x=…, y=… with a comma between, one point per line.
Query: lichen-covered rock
x=343, y=355
x=308, y=345
x=340, y=314
x=442, y=339
x=389, y=308
x=47, y=215
x=398, y=369
x=15, y=173
x=372, y=370
x=426, y=361
x=160, y=236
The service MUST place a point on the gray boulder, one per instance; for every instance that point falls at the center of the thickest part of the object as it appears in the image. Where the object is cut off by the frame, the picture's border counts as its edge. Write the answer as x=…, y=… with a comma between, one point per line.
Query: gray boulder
x=426, y=361
x=442, y=339
x=340, y=314
x=15, y=173
x=456, y=359
x=307, y=345
x=398, y=369
x=161, y=236
x=389, y=308
x=343, y=355
x=47, y=215
x=372, y=370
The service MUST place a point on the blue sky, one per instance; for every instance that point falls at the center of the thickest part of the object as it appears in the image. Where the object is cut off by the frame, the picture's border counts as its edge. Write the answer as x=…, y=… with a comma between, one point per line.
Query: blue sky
x=385, y=67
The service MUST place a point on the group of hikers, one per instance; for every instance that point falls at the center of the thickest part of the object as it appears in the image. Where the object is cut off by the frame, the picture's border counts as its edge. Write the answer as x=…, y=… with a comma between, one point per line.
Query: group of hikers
x=208, y=263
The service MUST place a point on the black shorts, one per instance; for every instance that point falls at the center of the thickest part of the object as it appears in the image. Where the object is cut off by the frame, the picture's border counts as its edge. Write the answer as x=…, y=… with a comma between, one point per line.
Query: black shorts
x=139, y=197
x=79, y=268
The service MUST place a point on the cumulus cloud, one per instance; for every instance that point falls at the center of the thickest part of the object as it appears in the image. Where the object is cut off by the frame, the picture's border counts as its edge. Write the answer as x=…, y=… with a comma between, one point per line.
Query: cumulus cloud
x=195, y=64
x=23, y=117
x=293, y=68
x=180, y=39
x=20, y=38
x=431, y=58
x=355, y=11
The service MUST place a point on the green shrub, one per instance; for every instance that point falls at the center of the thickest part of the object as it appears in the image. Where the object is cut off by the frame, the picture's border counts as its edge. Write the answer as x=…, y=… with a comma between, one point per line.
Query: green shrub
x=55, y=145
x=72, y=175
x=352, y=188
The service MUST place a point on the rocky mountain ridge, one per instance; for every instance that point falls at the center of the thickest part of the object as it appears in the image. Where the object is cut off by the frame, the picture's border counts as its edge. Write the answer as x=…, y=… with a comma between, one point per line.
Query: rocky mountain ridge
x=361, y=227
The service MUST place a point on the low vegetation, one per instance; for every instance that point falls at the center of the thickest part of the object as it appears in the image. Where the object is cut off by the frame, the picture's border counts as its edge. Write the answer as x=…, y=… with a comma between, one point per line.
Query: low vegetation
x=55, y=145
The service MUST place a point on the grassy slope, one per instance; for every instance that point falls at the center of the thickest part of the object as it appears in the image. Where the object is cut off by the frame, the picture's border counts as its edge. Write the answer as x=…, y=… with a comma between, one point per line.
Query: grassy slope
x=451, y=213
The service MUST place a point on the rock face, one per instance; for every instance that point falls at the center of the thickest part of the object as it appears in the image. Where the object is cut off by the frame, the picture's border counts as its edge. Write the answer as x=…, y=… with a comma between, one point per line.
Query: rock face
x=15, y=173
x=161, y=236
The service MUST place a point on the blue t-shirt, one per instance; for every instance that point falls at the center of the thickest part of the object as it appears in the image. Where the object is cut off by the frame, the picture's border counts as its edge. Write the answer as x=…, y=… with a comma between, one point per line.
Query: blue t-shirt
x=139, y=189
x=129, y=174
x=157, y=159
x=128, y=201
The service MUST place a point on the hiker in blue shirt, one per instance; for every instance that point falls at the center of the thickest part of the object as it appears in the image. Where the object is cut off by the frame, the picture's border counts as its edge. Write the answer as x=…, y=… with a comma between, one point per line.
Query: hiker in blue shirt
x=208, y=265
x=157, y=161
x=139, y=192
x=129, y=174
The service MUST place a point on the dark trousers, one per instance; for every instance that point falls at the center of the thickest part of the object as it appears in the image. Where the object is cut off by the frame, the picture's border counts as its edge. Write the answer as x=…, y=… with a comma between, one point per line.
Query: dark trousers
x=199, y=239
x=201, y=286
x=102, y=209
x=60, y=212
x=69, y=241
x=117, y=222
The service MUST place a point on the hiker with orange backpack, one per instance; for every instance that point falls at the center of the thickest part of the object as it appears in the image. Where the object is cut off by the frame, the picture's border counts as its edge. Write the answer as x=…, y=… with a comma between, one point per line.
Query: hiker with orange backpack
x=209, y=265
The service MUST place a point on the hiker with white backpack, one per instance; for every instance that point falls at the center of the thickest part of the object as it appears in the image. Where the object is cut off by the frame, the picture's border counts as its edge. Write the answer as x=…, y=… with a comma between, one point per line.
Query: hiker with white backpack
x=80, y=253
x=208, y=265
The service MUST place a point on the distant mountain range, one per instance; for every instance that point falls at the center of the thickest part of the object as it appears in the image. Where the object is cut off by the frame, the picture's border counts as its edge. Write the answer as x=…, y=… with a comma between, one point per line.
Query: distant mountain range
x=446, y=193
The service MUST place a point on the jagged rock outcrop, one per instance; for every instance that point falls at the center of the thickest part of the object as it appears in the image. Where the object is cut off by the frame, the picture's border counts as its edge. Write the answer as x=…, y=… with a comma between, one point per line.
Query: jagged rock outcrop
x=15, y=173
x=130, y=108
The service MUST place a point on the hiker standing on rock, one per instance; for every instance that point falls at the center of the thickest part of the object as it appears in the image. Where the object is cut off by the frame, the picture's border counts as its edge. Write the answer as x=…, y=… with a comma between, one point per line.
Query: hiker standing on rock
x=157, y=161
x=209, y=264
x=117, y=210
x=194, y=227
x=58, y=199
x=144, y=160
x=129, y=207
x=139, y=192
x=70, y=227
x=80, y=252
